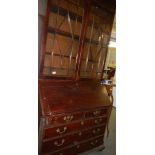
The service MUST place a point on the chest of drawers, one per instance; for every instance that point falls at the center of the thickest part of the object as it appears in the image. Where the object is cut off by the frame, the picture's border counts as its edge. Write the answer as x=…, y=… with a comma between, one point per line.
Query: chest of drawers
x=76, y=120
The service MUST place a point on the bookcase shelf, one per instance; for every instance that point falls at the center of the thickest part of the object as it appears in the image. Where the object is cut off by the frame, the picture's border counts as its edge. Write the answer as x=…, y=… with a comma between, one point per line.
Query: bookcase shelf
x=67, y=34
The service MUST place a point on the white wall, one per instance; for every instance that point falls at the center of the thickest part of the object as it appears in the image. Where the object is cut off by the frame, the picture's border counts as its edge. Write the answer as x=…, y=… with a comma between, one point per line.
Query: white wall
x=114, y=96
x=111, y=57
x=111, y=61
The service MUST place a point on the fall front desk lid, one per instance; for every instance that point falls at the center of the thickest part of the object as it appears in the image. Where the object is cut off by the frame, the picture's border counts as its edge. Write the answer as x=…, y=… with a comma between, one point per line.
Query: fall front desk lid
x=62, y=96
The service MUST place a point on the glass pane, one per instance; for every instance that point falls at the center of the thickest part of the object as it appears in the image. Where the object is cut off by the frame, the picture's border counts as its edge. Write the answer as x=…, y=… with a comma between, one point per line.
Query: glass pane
x=97, y=39
x=64, y=29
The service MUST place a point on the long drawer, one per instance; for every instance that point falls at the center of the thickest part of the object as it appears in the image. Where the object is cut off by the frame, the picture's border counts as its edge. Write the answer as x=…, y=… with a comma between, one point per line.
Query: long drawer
x=90, y=144
x=96, y=113
x=88, y=133
x=72, y=127
x=58, y=143
x=68, y=151
x=54, y=145
x=79, y=148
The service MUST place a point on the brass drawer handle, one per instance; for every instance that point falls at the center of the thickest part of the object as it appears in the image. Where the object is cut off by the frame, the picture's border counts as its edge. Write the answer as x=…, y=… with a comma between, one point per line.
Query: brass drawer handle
x=82, y=123
x=97, y=130
x=98, y=121
x=96, y=113
x=94, y=143
x=59, y=143
x=78, y=146
x=68, y=118
x=80, y=133
x=61, y=131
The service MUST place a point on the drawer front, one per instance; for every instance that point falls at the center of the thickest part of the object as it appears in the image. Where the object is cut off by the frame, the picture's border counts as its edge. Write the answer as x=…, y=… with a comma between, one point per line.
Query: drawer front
x=89, y=145
x=61, y=119
x=96, y=113
x=64, y=141
x=60, y=143
x=94, y=121
x=61, y=130
x=65, y=129
x=57, y=144
x=86, y=134
x=69, y=151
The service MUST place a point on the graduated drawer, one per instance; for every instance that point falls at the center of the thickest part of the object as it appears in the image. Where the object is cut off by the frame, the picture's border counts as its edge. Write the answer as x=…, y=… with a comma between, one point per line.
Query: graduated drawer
x=73, y=127
x=96, y=113
x=65, y=118
x=68, y=151
x=59, y=143
x=90, y=133
x=83, y=147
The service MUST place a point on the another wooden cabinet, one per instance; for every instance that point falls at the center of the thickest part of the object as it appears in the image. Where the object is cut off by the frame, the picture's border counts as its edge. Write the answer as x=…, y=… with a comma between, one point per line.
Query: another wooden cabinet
x=75, y=107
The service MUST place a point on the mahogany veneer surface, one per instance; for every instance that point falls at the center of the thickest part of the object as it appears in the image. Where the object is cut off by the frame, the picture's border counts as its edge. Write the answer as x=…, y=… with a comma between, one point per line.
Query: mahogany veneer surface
x=74, y=113
x=62, y=95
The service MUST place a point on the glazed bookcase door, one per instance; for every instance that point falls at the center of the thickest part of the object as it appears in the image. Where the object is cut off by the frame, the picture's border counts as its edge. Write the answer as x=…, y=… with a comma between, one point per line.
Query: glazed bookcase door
x=97, y=39
x=64, y=27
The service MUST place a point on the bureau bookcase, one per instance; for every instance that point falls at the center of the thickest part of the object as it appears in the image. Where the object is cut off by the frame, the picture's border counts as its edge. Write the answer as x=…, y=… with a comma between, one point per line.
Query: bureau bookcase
x=75, y=107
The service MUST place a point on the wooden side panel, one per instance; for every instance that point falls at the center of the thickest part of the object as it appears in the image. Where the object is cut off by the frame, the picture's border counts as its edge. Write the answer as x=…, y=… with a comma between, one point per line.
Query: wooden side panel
x=43, y=38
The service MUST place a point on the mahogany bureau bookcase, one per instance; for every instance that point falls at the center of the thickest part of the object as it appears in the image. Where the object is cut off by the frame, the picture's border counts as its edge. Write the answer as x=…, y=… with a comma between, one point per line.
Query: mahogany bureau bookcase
x=75, y=107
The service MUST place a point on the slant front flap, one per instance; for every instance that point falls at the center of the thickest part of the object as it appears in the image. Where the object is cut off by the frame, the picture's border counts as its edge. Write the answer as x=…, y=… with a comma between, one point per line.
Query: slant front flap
x=62, y=96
